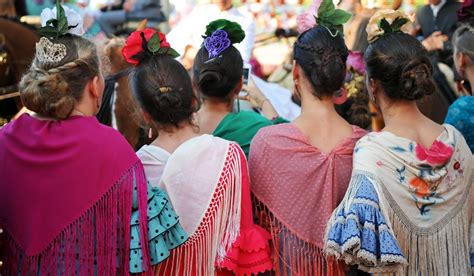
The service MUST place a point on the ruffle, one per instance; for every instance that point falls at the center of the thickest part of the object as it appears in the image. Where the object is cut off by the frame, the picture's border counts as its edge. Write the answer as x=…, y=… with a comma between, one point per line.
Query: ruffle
x=164, y=231
x=250, y=253
x=360, y=234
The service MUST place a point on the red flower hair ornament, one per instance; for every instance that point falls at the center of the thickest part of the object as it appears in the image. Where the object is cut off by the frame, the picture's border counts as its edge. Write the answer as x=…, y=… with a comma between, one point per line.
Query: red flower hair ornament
x=142, y=44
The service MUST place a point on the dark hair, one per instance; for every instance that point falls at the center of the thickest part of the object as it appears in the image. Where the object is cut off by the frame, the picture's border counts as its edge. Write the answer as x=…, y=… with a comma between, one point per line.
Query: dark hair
x=217, y=77
x=163, y=88
x=463, y=40
x=52, y=89
x=322, y=58
x=402, y=66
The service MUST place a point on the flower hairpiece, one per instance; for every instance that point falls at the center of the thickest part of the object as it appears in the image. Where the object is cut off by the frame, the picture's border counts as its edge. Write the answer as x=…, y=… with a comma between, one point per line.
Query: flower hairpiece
x=220, y=35
x=60, y=21
x=326, y=15
x=147, y=42
x=386, y=21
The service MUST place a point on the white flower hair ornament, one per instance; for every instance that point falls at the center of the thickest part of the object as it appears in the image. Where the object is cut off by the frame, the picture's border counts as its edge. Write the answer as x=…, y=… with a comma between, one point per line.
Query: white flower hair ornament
x=57, y=22
x=66, y=21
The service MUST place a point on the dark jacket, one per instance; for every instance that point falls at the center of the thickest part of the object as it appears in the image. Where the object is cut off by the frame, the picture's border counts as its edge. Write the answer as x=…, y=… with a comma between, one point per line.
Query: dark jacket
x=445, y=22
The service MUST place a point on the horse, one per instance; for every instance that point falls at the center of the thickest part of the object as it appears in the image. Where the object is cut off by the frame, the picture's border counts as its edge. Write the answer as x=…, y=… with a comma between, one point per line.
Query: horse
x=17, y=49
x=119, y=109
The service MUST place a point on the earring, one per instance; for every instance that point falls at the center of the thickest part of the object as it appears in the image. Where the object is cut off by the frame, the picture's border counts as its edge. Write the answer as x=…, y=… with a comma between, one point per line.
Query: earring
x=150, y=133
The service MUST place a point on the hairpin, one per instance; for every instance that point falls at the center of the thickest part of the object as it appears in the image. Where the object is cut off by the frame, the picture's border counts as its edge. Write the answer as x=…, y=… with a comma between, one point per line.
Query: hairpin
x=217, y=43
x=166, y=89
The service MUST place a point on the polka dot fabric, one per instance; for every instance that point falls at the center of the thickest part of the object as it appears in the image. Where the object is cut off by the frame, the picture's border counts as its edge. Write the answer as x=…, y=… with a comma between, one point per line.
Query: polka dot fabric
x=299, y=184
x=164, y=231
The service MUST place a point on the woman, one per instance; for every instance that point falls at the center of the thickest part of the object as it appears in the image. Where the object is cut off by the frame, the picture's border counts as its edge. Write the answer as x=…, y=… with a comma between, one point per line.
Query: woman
x=218, y=78
x=408, y=209
x=300, y=171
x=69, y=183
x=205, y=177
x=461, y=112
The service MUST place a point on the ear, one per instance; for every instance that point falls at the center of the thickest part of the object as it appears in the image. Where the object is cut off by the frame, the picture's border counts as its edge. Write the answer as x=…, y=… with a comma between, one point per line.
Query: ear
x=238, y=87
x=463, y=60
x=374, y=86
x=296, y=70
x=146, y=116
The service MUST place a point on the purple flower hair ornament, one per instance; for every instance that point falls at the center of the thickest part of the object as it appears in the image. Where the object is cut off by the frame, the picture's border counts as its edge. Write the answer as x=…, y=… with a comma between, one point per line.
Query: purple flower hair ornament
x=217, y=43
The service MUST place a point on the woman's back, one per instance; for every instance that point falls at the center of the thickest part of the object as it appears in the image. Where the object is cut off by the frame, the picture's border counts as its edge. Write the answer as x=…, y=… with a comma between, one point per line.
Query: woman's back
x=58, y=182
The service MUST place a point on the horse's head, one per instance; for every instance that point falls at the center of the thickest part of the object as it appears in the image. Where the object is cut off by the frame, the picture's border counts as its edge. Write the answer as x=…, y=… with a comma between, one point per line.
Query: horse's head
x=112, y=51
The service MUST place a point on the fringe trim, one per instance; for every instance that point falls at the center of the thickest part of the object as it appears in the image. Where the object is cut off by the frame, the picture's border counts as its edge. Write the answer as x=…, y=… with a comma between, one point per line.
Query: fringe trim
x=99, y=239
x=205, y=250
x=443, y=249
x=292, y=255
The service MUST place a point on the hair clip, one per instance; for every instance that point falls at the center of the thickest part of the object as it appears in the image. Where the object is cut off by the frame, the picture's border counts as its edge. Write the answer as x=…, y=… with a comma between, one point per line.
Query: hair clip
x=49, y=52
x=166, y=89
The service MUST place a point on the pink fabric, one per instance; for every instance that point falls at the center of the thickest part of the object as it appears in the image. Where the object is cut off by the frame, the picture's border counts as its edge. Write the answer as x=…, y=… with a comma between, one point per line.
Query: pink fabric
x=57, y=177
x=300, y=185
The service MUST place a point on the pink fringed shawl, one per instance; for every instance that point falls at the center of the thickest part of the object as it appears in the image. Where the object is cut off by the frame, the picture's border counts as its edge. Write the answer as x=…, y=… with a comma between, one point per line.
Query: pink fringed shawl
x=296, y=188
x=66, y=197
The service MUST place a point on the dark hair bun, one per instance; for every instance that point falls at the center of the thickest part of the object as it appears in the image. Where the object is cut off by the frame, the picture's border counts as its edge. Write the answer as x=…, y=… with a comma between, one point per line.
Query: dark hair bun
x=163, y=88
x=416, y=80
x=402, y=66
x=219, y=76
x=323, y=59
x=212, y=80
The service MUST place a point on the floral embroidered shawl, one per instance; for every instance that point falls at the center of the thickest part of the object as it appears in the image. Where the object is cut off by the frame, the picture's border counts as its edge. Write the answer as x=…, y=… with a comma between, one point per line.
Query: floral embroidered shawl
x=408, y=209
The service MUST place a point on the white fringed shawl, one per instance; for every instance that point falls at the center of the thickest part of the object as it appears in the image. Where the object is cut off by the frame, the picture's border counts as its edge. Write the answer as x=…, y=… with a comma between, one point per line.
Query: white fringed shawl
x=427, y=207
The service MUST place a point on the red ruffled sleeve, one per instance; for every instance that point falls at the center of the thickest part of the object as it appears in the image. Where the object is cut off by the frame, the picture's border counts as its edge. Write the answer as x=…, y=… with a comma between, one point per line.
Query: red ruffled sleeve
x=250, y=253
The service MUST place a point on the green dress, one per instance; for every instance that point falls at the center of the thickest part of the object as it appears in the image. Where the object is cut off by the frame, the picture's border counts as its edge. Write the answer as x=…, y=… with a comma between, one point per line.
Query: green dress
x=241, y=127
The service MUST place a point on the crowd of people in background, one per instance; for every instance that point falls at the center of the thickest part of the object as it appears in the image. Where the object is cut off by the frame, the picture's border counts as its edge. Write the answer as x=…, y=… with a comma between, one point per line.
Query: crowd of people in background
x=354, y=156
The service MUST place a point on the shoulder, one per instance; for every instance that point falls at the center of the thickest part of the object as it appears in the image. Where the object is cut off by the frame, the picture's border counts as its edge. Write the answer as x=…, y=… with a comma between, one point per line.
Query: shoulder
x=274, y=131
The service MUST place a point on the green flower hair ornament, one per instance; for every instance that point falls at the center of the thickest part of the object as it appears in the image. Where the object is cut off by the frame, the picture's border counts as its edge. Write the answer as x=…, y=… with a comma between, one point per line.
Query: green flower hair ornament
x=331, y=18
x=57, y=27
x=234, y=30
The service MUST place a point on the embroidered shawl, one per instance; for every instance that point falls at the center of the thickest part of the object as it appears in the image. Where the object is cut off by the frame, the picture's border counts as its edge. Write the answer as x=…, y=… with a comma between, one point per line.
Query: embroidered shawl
x=66, y=197
x=408, y=209
x=207, y=182
x=296, y=188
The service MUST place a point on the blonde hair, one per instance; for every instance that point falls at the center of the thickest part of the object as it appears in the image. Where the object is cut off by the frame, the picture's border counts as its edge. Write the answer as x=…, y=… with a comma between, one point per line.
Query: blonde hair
x=52, y=89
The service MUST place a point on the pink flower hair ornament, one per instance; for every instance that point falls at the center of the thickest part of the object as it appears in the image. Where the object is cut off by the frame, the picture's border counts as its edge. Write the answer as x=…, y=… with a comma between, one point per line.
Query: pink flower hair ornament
x=323, y=13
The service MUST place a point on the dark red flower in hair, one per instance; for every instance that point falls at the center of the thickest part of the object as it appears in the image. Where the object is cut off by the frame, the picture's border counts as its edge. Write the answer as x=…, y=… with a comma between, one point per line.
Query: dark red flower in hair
x=135, y=45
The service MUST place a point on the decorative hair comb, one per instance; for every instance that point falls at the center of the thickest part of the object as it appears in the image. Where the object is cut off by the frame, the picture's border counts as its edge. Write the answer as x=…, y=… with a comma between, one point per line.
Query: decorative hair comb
x=327, y=16
x=385, y=22
x=49, y=52
x=220, y=35
x=145, y=43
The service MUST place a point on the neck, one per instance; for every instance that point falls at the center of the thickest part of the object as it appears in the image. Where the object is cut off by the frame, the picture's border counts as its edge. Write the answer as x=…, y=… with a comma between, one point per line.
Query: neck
x=313, y=107
x=218, y=106
x=171, y=139
x=401, y=113
x=226, y=8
